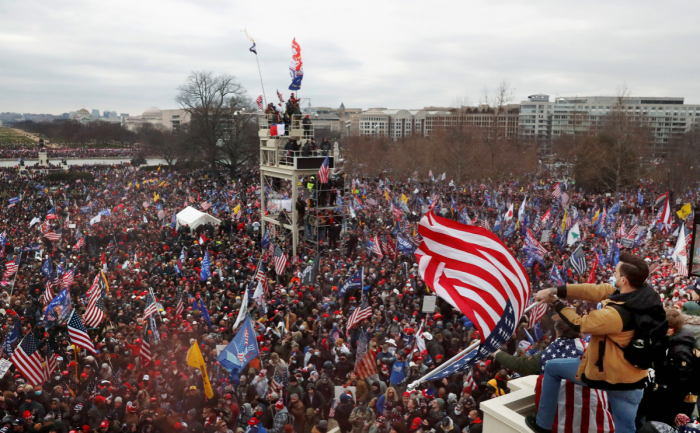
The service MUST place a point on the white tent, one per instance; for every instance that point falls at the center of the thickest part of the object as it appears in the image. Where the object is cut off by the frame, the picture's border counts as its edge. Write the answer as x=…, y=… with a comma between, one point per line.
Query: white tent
x=194, y=218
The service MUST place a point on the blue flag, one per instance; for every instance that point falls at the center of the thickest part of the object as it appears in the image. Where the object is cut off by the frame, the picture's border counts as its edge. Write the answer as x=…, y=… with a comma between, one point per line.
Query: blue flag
x=242, y=349
x=180, y=261
x=640, y=199
x=46, y=268
x=58, y=311
x=205, y=312
x=265, y=240
x=404, y=246
x=354, y=282
x=205, y=273
x=12, y=339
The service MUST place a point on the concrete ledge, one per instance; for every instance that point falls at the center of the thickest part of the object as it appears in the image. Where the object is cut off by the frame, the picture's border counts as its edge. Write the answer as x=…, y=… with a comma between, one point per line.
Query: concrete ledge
x=506, y=414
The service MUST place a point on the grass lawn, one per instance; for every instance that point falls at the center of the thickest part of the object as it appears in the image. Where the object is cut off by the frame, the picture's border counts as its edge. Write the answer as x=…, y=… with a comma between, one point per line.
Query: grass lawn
x=10, y=136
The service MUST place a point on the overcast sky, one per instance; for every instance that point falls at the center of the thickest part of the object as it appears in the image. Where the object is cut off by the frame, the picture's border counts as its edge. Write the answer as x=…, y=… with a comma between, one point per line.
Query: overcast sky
x=129, y=55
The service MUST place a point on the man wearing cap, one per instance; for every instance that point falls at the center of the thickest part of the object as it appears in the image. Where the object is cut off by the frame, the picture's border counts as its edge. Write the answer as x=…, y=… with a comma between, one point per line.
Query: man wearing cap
x=193, y=401
x=282, y=417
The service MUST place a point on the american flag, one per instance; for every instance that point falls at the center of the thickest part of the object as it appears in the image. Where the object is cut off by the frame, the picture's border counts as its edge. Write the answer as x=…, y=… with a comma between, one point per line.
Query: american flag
x=80, y=243
x=205, y=205
x=537, y=313
x=180, y=308
x=260, y=276
x=665, y=217
x=621, y=230
x=580, y=409
x=633, y=232
x=27, y=360
x=11, y=267
x=51, y=361
x=660, y=199
x=376, y=247
x=470, y=381
x=161, y=214
x=279, y=95
x=364, y=311
x=95, y=287
x=260, y=101
x=280, y=260
x=564, y=198
x=53, y=236
x=150, y=308
x=78, y=333
x=95, y=312
x=280, y=380
x=67, y=279
x=470, y=268
x=365, y=365
x=324, y=171
x=556, y=192
x=48, y=294
x=145, y=352
x=371, y=202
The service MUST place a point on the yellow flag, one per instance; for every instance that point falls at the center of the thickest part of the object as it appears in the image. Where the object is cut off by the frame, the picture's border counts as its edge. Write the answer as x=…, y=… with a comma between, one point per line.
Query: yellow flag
x=521, y=189
x=386, y=194
x=159, y=168
x=104, y=281
x=563, y=221
x=155, y=196
x=237, y=209
x=595, y=217
x=162, y=183
x=686, y=210
x=138, y=185
x=195, y=359
x=404, y=198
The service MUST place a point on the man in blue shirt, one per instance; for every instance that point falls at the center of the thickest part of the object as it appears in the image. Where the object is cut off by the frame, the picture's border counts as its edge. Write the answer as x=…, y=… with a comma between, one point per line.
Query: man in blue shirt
x=398, y=372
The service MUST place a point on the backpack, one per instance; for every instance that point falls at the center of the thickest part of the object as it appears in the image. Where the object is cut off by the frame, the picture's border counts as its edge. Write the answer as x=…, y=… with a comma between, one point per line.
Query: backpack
x=649, y=343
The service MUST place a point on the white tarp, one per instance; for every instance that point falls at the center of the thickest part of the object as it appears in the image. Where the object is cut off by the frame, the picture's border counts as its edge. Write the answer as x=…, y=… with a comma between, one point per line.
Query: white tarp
x=194, y=218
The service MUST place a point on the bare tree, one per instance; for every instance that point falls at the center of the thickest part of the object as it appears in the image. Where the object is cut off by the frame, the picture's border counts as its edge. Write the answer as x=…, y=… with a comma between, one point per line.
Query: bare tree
x=208, y=100
x=160, y=142
x=239, y=145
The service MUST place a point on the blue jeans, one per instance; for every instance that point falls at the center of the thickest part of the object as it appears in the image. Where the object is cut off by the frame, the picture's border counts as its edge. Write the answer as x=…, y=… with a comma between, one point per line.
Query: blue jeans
x=623, y=404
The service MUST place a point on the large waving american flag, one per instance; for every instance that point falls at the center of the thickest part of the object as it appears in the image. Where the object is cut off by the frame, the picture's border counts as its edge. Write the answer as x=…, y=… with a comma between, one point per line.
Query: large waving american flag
x=470, y=268
x=78, y=333
x=365, y=365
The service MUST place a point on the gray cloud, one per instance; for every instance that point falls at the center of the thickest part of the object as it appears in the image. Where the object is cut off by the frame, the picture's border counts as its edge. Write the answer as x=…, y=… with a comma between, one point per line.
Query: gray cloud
x=131, y=55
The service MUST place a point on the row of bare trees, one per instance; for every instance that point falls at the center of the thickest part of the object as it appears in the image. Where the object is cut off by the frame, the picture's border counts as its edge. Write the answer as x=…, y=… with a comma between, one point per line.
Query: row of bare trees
x=466, y=153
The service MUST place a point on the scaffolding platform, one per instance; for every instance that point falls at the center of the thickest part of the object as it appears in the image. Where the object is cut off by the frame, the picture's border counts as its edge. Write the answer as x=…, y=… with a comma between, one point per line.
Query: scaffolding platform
x=292, y=201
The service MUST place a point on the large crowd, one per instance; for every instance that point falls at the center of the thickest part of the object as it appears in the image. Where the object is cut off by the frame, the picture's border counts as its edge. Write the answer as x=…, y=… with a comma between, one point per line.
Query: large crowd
x=22, y=152
x=306, y=378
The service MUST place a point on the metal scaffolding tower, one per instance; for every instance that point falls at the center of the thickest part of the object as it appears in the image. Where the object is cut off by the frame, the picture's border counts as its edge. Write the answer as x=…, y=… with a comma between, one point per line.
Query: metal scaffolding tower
x=293, y=203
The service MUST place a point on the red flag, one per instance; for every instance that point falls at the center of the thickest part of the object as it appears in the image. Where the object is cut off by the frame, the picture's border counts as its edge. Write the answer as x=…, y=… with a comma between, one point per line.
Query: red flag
x=591, y=275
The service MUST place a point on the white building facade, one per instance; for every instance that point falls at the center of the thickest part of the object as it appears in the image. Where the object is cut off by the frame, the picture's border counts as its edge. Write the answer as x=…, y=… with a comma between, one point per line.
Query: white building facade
x=168, y=119
x=542, y=120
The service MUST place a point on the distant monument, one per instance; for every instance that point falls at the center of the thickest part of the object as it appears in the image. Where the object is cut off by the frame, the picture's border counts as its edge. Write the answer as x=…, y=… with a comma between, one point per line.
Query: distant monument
x=43, y=157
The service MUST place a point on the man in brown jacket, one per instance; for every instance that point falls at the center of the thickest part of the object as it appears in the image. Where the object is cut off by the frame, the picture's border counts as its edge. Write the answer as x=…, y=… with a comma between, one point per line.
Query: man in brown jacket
x=603, y=365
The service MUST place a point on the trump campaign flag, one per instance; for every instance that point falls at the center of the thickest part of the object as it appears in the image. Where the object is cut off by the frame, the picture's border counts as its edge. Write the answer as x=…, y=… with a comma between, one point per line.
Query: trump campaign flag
x=58, y=310
x=471, y=269
x=242, y=349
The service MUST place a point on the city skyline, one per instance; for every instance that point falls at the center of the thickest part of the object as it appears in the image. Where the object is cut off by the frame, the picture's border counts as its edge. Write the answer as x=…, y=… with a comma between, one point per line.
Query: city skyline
x=88, y=55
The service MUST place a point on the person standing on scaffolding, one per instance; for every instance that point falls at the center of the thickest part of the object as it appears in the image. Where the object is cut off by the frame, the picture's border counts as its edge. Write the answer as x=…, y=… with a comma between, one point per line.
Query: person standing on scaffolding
x=307, y=127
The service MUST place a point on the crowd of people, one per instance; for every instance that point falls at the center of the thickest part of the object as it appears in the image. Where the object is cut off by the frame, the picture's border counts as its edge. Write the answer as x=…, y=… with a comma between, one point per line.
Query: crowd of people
x=24, y=153
x=308, y=377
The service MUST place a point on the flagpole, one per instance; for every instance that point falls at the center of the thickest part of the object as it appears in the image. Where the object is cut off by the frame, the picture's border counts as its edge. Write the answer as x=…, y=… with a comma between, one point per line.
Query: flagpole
x=473, y=346
x=261, y=80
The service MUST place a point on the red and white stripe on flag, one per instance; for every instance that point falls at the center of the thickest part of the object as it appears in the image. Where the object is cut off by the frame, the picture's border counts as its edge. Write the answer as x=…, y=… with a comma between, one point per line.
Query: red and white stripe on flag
x=537, y=313
x=580, y=409
x=469, y=267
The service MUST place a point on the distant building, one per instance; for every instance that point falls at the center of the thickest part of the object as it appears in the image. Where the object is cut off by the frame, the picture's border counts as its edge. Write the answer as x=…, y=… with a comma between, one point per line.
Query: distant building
x=95, y=113
x=399, y=123
x=83, y=116
x=168, y=119
x=329, y=121
x=542, y=120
